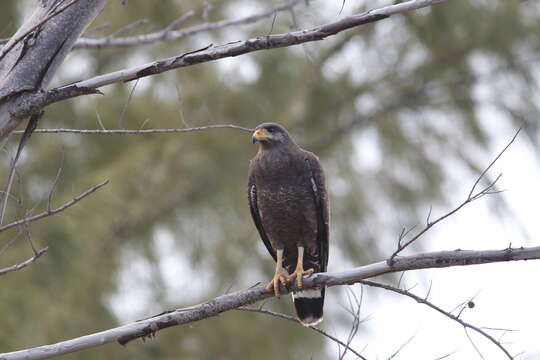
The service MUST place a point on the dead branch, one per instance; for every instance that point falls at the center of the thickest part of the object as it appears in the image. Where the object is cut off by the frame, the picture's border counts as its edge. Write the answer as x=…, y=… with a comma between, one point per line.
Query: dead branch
x=168, y=33
x=30, y=127
x=30, y=59
x=30, y=102
x=293, y=319
x=448, y=314
x=144, y=328
x=355, y=312
x=18, y=38
x=487, y=190
x=133, y=132
x=25, y=263
x=50, y=212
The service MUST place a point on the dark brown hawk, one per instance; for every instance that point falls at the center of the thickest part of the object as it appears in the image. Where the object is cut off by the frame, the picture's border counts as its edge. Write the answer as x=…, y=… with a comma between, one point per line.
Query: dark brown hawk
x=289, y=205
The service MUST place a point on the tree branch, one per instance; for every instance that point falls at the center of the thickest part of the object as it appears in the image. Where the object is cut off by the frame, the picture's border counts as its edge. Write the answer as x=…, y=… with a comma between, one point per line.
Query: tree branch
x=487, y=190
x=18, y=38
x=25, y=263
x=168, y=33
x=133, y=132
x=448, y=314
x=293, y=319
x=50, y=212
x=33, y=102
x=149, y=327
x=27, y=133
x=31, y=57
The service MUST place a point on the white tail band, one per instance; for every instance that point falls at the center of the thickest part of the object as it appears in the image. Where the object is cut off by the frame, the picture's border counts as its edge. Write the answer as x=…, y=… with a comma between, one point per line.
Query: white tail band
x=310, y=294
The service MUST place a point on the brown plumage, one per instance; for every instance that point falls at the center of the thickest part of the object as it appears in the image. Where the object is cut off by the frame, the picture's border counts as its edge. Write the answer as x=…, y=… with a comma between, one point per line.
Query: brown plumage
x=289, y=205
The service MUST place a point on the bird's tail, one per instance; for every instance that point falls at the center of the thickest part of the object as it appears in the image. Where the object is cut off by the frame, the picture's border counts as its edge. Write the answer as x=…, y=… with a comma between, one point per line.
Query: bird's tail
x=309, y=306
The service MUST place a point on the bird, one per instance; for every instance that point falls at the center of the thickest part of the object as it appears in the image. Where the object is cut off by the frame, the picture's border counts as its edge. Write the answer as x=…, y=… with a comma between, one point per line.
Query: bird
x=289, y=205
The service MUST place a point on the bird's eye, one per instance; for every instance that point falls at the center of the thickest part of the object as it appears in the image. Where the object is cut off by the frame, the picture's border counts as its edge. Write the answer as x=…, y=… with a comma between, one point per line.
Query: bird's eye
x=270, y=130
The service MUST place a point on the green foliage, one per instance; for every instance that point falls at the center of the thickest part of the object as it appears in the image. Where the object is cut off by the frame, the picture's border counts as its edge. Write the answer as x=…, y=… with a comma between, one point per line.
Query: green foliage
x=405, y=89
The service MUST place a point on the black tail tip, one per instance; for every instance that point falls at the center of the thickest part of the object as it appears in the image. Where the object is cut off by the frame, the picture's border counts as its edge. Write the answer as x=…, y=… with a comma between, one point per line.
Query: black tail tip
x=309, y=310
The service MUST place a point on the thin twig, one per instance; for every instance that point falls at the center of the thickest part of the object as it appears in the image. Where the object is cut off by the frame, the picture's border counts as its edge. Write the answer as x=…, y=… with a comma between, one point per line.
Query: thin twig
x=27, y=133
x=25, y=263
x=10, y=242
x=134, y=132
x=126, y=105
x=420, y=300
x=51, y=212
x=474, y=345
x=168, y=33
x=492, y=163
x=293, y=319
x=472, y=196
x=182, y=19
x=223, y=303
x=55, y=182
x=96, y=29
x=447, y=355
x=402, y=346
x=128, y=28
x=355, y=312
x=211, y=53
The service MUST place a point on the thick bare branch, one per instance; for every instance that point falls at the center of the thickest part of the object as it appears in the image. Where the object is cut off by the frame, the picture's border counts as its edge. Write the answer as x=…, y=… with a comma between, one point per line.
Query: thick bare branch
x=50, y=212
x=148, y=327
x=236, y=48
x=21, y=35
x=168, y=33
x=32, y=56
x=32, y=102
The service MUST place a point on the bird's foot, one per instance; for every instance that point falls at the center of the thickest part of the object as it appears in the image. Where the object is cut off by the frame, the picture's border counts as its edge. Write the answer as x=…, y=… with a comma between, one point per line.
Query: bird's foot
x=297, y=274
x=279, y=277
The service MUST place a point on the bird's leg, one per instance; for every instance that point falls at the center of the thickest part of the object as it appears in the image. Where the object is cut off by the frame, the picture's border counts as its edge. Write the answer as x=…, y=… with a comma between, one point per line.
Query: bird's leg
x=299, y=271
x=279, y=276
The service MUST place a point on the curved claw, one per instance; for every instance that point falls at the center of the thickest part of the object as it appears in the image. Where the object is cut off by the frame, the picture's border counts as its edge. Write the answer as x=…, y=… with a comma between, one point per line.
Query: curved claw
x=279, y=276
x=298, y=274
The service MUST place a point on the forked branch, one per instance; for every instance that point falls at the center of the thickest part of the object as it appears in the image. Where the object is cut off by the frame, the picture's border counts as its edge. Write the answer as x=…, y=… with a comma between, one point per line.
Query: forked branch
x=448, y=314
x=148, y=327
x=25, y=263
x=50, y=212
x=170, y=32
x=293, y=319
x=474, y=194
x=33, y=102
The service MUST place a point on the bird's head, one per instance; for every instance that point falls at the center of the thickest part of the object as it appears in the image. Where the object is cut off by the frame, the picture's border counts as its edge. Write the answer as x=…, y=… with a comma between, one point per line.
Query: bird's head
x=271, y=134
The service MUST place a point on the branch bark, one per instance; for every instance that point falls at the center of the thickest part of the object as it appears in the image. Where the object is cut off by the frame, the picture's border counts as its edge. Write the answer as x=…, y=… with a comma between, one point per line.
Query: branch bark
x=25, y=263
x=149, y=327
x=133, y=131
x=169, y=33
x=50, y=212
x=31, y=57
x=448, y=314
x=35, y=101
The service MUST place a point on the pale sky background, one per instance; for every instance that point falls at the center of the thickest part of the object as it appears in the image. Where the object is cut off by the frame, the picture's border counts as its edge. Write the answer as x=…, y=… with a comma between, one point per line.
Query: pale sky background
x=508, y=293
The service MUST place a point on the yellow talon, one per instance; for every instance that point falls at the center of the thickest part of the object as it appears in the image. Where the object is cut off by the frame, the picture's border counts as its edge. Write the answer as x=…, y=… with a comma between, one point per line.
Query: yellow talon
x=279, y=275
x=274, y=284
x=299, y=272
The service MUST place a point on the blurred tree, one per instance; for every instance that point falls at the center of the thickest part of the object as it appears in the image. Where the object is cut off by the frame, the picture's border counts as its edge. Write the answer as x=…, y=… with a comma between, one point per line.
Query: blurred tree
x=386, y=107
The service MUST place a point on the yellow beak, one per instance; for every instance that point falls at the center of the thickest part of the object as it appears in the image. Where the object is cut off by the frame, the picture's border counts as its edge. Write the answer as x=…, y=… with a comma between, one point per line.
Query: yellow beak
x=259, y=135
